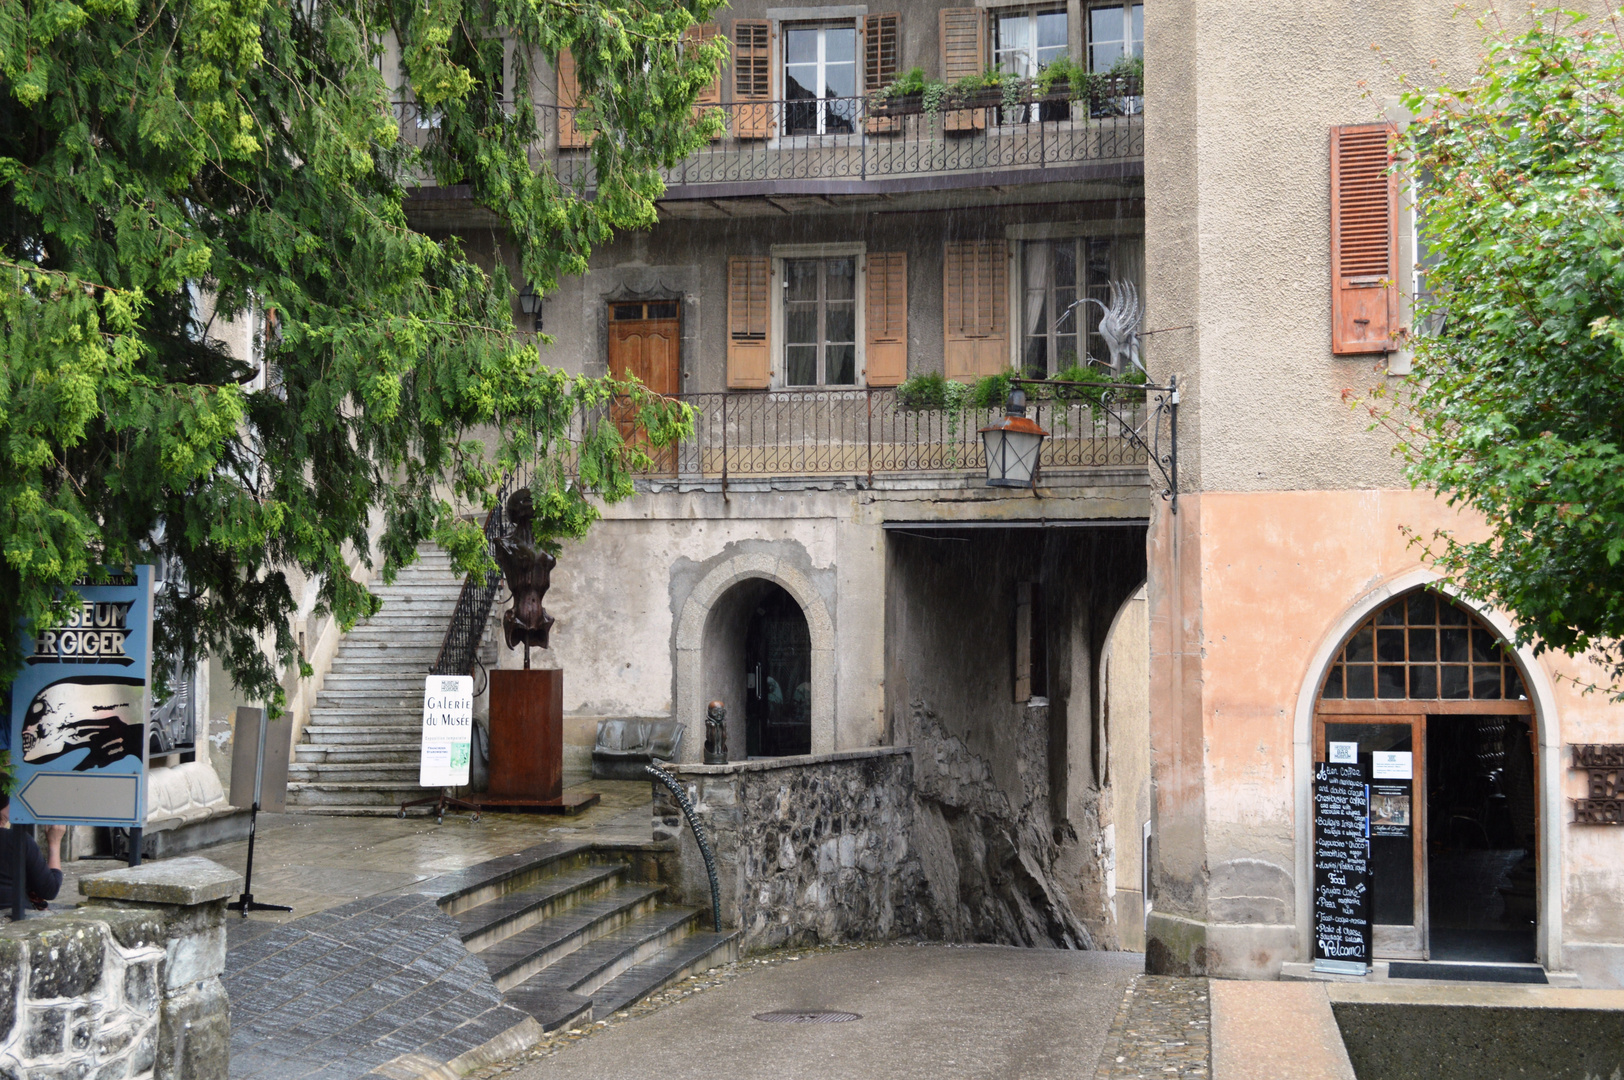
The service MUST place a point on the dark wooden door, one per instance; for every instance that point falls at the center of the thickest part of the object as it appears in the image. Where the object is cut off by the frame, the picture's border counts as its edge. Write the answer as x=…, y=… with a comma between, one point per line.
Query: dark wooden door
x=644, y=341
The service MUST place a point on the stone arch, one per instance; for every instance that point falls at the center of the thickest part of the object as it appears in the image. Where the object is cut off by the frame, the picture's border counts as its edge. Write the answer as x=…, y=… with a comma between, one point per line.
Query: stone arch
x=1548, y=933
x=691, y=693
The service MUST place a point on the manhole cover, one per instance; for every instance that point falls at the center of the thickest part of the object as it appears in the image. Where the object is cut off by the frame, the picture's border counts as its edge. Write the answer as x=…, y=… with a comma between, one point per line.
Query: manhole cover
x=807, y=1016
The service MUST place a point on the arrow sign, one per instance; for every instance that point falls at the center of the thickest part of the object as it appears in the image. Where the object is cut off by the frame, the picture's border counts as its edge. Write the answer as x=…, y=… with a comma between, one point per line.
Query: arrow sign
x=75, y=798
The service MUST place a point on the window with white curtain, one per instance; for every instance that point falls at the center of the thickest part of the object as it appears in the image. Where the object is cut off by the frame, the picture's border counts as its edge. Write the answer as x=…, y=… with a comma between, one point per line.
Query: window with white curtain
x=1114, y=31
x=1059, y=278
x=1026, y=42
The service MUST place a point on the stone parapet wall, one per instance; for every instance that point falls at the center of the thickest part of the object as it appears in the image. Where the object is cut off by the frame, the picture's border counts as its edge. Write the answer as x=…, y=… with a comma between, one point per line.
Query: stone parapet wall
x=126, y=986
x=816, y=848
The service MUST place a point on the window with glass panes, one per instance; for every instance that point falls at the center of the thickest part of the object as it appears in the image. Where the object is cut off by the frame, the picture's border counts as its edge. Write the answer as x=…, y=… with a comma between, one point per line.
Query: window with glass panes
x=1055, y=276
x=1114, y=31
x=820, y=79
x=820, y=321
x=1423, y=645
x=1024, y=43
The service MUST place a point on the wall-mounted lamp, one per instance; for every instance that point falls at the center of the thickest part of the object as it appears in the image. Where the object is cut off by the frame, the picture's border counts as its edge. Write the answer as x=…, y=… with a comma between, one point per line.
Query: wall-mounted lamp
x=530, y=304
x=1013, y=445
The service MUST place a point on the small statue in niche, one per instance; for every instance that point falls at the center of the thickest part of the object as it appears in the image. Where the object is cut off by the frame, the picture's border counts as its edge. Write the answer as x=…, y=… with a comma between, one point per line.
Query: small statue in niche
x=715, y=734
x=528, y=570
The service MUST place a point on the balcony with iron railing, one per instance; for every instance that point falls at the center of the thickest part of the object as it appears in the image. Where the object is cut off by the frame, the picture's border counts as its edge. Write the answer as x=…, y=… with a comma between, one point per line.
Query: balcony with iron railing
x=866, y=144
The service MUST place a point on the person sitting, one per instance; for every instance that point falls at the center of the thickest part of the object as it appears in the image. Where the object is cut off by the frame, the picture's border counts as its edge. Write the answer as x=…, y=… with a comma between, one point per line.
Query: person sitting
x=43, y=874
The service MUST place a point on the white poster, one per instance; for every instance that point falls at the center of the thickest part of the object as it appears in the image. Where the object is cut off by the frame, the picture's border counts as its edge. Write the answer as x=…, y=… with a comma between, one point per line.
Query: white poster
x=1343, y=753
x=1391, y=765
x=448, y=730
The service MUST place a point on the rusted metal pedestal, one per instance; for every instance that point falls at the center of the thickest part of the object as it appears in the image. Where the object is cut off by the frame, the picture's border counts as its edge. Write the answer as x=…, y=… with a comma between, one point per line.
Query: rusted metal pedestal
x=527, y=745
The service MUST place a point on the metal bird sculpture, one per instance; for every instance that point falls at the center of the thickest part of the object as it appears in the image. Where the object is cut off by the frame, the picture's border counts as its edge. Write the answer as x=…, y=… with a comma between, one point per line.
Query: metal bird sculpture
x=1119, y=323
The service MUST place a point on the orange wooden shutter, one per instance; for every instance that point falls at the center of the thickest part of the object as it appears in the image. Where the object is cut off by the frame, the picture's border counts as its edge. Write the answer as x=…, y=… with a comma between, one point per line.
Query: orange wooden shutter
x=964, y=52
x=749, y=359
x=752, y=79
x=882, y=50
x=711, y=95
x=569, y=99
x=1364, y=240
x=886, y=316
x=975, y=308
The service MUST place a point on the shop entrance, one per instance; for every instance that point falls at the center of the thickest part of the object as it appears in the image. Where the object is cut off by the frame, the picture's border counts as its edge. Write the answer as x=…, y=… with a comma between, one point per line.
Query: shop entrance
x=1439, y=713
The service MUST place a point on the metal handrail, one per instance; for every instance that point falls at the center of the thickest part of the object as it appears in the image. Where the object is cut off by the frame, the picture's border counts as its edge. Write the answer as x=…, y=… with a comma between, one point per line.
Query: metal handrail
x=459, y=648
x=675, y=788
x=862, y=138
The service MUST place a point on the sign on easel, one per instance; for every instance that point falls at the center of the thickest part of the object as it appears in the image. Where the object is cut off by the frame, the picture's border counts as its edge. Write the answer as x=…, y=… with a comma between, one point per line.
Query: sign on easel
x=1342, y=883
x=79, y=709
x=448, y=730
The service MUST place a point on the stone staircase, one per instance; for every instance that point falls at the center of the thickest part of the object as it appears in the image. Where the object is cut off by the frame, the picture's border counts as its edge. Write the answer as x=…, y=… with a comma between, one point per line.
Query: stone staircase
x=569, y=937
x=359, y=752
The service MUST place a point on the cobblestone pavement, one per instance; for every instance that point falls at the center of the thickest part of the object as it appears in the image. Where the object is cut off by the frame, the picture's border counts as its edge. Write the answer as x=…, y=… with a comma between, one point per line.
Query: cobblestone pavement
x=1162, y=1030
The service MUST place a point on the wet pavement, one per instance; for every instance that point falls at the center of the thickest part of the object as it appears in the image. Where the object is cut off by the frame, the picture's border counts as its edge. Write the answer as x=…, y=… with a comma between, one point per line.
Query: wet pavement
x=311, y=862
x=926, y=1011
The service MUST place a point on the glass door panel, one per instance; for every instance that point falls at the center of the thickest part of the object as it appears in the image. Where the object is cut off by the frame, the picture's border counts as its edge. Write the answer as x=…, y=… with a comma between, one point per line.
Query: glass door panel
x=1398, y=869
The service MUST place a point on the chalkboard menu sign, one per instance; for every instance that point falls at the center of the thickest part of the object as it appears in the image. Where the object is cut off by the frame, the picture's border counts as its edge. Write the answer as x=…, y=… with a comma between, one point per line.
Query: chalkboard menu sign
x=1341, y=868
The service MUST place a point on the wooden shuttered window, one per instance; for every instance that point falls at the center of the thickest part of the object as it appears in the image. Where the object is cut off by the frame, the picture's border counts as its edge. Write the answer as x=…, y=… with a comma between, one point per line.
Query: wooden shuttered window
x=964, y=52
x=569, y=99
x=975, y=308
x=752, y=79
x=882, y=54
x=1364, y=240
x=886, y=318
x=749, y=292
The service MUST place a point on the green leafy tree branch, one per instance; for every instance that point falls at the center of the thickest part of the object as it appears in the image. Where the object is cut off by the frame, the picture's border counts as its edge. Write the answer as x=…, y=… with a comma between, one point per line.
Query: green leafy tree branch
x=170, y=169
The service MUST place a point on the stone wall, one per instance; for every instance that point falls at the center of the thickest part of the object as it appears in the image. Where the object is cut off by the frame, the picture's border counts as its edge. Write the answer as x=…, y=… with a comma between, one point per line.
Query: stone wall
x=809, y=849
x=126, y=986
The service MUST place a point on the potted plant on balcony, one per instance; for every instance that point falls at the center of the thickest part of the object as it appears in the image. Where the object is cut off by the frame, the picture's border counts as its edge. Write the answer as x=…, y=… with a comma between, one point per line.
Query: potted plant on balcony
x=904, y=96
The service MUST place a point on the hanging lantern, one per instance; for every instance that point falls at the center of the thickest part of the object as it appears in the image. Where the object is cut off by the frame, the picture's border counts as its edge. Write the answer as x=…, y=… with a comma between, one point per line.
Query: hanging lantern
x=530, y=304
x=1013, y=445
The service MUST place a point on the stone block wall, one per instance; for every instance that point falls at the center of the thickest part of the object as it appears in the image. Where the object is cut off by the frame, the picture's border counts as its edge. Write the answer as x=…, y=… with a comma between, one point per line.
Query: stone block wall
x=809, y=849
x=126, y=986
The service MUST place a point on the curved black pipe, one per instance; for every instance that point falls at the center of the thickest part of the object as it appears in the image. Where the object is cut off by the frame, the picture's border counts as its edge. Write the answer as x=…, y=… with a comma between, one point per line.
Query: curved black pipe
x=699, y=834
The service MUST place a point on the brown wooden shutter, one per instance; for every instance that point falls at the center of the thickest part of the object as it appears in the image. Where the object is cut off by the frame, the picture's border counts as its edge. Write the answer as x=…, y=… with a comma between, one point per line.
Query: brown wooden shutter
x=752, y=79
x=975, y=308
x=711, y=95
x=1364, y=240
x=964, y=52
x=749, y=359
x=569, y=99
x=886, y=318
x=882, y=52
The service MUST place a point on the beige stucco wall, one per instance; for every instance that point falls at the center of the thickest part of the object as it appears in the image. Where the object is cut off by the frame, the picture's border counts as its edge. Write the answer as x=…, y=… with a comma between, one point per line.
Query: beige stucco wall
x=1264, y=583
x=1126, y=675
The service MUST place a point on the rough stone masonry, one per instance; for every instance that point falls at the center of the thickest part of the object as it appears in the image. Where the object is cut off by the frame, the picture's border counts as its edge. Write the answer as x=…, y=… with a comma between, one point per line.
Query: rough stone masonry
x=127, y=986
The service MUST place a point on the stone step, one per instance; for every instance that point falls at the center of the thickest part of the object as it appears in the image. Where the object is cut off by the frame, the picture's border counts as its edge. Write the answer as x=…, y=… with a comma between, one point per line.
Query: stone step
x=368, y=736
x=490, y=922
x=400, y=774
x=699, y=951
x=329, y=753
x=514, y=959
x=598, y=961
x=357, y=793
x=382, y=681
x=384, y=662
x=404, y=698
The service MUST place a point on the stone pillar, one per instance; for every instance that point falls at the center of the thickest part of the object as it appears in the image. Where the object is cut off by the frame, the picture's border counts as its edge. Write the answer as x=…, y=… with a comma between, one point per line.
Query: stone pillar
x=184, y=901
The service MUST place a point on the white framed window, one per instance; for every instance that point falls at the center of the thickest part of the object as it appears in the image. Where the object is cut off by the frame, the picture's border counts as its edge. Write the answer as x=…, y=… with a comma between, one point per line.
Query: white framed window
x=1115, y=30
x=1065, y=287
x=820, y=79
x=818, y=315
x=1024, y=43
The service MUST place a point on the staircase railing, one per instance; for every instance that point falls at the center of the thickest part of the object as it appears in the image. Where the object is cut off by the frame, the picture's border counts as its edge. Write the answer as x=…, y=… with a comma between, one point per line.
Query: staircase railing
x=459, y=649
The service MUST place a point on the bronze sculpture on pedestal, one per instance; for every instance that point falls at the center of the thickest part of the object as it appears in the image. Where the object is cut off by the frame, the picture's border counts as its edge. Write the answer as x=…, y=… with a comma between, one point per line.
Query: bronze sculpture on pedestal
x=715, y=734
x=528, y=570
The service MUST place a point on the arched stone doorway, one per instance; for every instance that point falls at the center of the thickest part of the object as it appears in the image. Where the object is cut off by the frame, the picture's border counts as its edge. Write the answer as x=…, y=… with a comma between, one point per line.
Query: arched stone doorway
x=1425, y=686
x=711, y=640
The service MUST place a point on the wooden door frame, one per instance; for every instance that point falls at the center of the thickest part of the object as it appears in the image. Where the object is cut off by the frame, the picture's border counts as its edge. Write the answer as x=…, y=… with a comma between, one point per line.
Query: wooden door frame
x=1418, y=811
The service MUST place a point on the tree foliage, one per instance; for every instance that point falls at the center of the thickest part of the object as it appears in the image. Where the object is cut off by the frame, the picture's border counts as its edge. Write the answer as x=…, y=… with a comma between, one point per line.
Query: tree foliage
x=1517, y=402
x=168, y=166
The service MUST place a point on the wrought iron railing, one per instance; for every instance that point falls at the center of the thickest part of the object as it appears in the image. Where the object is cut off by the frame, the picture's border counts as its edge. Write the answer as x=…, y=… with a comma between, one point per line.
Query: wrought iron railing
x=860, y=139
x=873, y=432
x=459, y=649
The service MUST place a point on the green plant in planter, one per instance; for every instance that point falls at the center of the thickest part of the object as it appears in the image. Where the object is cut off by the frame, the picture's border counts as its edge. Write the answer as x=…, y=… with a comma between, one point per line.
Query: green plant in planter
x=992, y=391
x=927, y=391
x=1131, y=67
x=1064, y=70
x=912, y=81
